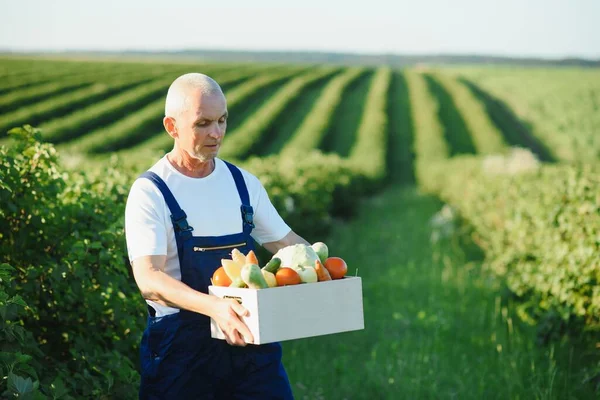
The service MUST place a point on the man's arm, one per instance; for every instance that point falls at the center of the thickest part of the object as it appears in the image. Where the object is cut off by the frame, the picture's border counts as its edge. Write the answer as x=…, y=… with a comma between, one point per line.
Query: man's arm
x=157, y=286
x=288, y=240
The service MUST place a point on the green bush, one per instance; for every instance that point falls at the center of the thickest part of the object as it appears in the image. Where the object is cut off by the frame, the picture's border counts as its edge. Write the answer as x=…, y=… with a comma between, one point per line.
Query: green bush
x=308, y=189
x=538, y=225
x=62, y=233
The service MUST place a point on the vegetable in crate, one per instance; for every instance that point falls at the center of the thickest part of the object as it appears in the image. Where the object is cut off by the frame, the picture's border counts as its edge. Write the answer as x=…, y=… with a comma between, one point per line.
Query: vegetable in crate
x=322, y=251
x=337, y=267
x=220, y=277
x=322, y=273
x=238, y=283
x=238, y=257
x=297, y=254
x=251, y=258
x=273, y=265
x=234, y=272
x=253, y=277
x=269, y=277
x=287, y=276
x=307, y=274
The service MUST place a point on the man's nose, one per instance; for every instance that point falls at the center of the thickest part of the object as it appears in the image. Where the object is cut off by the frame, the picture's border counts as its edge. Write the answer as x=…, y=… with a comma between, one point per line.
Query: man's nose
x=216, y=130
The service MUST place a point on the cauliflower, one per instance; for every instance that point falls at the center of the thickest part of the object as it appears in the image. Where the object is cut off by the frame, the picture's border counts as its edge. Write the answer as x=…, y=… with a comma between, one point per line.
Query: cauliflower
x=297, y=254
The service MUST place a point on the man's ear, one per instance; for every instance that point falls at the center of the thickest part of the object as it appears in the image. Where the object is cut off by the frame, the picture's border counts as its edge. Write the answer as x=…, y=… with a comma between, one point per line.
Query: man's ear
x=169, y=124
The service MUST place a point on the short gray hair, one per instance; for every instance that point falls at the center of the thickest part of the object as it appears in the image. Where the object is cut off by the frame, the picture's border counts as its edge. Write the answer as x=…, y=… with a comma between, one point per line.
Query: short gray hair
x=178, y=95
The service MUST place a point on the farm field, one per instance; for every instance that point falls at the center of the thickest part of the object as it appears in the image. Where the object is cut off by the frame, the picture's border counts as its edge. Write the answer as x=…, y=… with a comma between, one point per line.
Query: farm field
x=559, y=109
x=102, y=107
x=495, y=295
x=436, y=327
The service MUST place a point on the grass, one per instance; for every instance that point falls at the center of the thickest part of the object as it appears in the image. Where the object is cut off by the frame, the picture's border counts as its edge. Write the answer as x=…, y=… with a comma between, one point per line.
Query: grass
x=342, y=133
x=435, y=325
x=400, y=151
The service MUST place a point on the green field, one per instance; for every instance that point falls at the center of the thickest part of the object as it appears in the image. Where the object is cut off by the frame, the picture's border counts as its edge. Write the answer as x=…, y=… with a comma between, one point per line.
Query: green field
x=501, y=301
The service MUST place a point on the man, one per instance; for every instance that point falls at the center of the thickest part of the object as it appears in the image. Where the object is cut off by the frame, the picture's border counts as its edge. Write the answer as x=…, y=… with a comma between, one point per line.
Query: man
x=182, y=217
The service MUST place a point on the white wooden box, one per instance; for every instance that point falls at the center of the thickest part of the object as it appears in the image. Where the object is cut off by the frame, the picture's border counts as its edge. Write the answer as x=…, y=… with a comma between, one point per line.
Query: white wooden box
x=298, y=311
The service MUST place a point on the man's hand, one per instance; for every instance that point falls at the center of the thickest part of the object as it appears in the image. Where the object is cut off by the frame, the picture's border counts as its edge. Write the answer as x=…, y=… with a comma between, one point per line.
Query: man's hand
x=157, y=286
x=227, y=313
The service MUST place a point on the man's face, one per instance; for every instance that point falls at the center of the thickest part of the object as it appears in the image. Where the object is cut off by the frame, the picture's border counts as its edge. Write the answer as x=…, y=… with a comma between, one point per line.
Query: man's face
x=202, y=126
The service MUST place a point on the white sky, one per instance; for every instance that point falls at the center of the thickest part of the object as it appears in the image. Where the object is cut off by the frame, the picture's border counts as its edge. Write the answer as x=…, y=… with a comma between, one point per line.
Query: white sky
x=546, y=28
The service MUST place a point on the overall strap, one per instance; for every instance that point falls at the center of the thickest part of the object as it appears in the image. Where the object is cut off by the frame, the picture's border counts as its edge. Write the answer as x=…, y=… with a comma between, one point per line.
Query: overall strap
x=246, y=208
x=178, y=217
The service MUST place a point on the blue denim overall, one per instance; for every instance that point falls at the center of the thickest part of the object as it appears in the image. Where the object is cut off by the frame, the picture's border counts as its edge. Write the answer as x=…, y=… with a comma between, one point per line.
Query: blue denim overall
x=179, y=359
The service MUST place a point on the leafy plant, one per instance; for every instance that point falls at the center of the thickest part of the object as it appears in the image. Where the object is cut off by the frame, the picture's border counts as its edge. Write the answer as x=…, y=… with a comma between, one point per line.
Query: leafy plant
x=62, y=249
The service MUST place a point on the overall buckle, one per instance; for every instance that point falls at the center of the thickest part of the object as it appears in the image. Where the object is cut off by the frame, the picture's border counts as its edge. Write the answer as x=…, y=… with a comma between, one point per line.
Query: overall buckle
x=248, y=215
x=181, y=224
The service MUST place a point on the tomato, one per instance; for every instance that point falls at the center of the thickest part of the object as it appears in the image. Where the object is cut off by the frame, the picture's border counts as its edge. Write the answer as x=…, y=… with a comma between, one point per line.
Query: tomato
x=337, y=267
x=220, y=278
x=287, y=276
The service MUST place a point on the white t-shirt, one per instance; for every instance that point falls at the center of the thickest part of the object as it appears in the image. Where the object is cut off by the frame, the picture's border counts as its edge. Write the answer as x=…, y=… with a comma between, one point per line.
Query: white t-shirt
x=212, y=206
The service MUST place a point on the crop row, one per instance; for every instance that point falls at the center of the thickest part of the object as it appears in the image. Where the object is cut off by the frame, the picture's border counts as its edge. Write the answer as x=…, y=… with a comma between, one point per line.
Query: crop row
x=311, y=132
x=66, y=73
x=429, y=143
x=112, y=109
x=242, y=141
x=368, y=154
x=46, y=113
x=369, y=145
x=55, y=107
x=134, y=127
x=38, y=93
x=236, y=96
x=554, y=111
x=46, y=72
x=486, y=137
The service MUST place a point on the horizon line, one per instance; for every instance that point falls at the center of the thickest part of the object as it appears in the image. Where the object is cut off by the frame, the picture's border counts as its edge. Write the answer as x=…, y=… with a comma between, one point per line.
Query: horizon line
x=302, y=51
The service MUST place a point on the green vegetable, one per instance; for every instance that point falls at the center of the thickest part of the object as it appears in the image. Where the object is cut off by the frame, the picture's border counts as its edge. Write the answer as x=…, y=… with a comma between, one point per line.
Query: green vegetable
x=253, y=277
x=273, y=265
x=322, y=251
